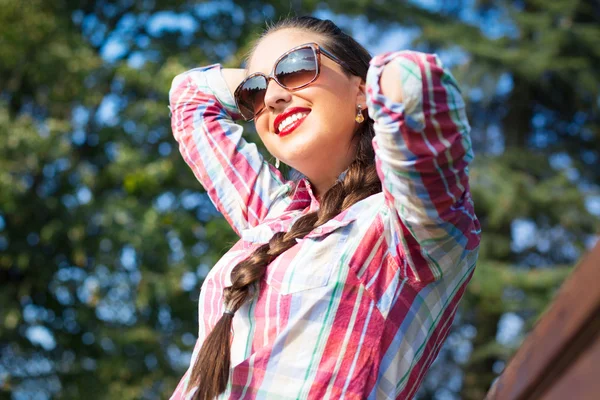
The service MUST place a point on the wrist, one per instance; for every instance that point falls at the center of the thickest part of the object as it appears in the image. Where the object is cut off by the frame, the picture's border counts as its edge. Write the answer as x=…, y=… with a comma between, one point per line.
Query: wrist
x=233, y=77
x=390, y=82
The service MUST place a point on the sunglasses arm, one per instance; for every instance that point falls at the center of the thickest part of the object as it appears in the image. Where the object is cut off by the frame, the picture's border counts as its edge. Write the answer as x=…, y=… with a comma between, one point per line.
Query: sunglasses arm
x=337, y=60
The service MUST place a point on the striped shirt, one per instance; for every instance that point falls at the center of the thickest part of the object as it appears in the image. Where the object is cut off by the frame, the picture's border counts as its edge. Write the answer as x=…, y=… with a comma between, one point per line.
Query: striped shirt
x=360, y=307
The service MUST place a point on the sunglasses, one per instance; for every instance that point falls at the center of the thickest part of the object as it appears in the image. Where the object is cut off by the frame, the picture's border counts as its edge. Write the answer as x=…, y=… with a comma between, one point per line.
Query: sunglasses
x=294, y=70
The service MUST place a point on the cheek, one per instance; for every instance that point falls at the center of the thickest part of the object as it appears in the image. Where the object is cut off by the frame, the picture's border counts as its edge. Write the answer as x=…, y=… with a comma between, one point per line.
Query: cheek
x=340, y=102
x=261, y=125
x=338, y=114
x=262, y=128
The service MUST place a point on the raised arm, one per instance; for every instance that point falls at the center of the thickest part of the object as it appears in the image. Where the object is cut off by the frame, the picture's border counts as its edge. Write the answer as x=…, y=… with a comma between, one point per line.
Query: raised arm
x=423, y=149
x=241, y=184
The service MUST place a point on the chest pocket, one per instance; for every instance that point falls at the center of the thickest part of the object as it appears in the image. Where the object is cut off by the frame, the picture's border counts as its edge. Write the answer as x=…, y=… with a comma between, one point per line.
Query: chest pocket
x=310, y=263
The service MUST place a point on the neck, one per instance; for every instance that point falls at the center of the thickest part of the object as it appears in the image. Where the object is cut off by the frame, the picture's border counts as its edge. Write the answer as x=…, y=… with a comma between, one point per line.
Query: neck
x=319, y=187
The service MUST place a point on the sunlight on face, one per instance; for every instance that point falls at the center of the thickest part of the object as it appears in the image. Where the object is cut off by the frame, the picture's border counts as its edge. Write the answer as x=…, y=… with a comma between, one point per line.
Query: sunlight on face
x=321, y=146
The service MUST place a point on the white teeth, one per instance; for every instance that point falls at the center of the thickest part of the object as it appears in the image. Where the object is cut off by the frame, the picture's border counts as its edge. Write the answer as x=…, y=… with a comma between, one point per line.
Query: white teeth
x=292, y=118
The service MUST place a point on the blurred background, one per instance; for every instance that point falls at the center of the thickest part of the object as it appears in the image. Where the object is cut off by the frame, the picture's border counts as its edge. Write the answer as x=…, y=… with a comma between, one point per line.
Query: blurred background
x=105, y=235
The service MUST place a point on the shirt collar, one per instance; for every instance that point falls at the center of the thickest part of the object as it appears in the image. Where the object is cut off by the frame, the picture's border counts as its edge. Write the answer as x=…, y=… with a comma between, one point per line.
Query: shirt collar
x=304, y=197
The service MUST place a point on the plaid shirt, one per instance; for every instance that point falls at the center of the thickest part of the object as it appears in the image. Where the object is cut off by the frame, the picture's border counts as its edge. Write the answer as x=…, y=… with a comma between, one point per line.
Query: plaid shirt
x=360, y=307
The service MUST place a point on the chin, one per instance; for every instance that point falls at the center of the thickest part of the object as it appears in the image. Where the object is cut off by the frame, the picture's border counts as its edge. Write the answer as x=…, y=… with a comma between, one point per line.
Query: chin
x=297, y=154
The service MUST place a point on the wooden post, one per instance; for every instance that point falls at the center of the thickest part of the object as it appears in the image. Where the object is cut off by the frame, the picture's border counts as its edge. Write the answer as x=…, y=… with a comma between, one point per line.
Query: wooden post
x=560, y=358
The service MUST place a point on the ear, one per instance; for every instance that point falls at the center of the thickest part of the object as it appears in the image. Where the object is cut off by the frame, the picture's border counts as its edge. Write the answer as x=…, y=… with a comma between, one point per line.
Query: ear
x=361, y=91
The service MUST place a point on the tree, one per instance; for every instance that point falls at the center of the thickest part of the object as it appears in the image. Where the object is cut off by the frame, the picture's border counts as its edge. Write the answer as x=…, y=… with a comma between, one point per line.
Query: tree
x=529, y=77
x=98, y=295
x=105, y=235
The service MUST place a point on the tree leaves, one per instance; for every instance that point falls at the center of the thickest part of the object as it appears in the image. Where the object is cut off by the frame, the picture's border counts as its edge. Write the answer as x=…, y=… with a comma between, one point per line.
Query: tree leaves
x=106, y=236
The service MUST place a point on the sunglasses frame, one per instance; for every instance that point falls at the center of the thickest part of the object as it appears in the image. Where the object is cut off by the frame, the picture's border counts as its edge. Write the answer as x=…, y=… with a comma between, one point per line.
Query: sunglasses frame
x=317, y=50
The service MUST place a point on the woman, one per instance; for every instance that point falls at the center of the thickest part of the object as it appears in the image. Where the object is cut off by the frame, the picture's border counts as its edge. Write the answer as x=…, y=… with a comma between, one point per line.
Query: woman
x=344, y=283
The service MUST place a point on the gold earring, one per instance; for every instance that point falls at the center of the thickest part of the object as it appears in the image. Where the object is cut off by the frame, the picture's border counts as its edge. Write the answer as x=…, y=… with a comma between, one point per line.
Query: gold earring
x=359, y=116
x=276, y=162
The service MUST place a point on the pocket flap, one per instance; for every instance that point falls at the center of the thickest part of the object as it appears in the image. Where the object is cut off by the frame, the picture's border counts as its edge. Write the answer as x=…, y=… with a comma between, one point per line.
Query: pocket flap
x=329, y=227
x=260, y=234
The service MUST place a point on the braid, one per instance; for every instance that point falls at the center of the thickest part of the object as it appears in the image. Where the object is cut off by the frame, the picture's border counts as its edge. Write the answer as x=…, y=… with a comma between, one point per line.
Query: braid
x=211, y=369
x=361, y=181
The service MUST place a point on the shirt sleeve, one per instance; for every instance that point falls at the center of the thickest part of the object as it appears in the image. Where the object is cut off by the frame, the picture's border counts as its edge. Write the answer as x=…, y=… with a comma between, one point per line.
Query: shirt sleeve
x=241, y=184
x=423, y=149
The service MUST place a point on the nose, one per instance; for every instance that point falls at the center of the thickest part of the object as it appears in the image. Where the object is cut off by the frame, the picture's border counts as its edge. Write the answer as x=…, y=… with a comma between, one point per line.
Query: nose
x=276, y=97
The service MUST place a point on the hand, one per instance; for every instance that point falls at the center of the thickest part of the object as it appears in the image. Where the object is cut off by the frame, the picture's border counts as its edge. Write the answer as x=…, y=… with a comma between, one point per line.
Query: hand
x=233, y=77
x=391, y=82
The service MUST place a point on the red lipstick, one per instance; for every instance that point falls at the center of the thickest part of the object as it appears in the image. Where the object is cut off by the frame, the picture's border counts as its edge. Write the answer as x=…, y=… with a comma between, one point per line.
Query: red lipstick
x=291, y=127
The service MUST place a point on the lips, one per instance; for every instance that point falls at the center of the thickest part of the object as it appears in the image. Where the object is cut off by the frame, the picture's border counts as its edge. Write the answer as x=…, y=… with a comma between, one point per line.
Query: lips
x=288, y=113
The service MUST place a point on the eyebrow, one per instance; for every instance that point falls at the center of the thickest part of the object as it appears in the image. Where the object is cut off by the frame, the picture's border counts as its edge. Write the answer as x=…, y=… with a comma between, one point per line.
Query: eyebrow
x=250, y=72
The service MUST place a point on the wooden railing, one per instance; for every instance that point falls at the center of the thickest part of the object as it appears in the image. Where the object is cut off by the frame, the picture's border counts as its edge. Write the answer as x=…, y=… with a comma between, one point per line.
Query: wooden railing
x=560, y=358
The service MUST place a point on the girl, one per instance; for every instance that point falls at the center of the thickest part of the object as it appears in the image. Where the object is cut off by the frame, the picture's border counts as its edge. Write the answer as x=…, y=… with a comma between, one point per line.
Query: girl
x=344, y=283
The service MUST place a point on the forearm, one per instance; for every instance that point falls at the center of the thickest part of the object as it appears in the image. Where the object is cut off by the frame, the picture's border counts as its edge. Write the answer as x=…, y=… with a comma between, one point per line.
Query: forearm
x=423, y=149
x=422, y=131
x=231, y=170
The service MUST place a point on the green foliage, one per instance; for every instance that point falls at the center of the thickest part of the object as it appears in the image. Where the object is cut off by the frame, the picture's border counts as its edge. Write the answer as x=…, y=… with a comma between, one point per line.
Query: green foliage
x=105, y=234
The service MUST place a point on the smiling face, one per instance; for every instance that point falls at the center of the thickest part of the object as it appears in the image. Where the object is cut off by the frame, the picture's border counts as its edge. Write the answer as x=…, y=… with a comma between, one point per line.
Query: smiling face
x=310, y=129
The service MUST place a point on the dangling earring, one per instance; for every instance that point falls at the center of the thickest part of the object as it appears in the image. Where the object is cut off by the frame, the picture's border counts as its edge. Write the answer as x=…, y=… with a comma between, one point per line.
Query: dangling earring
x=359, y=116
x=276, y=162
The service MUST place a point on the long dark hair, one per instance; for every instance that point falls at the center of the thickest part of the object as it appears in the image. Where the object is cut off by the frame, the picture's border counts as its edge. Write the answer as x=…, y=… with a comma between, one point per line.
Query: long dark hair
x=211, y=369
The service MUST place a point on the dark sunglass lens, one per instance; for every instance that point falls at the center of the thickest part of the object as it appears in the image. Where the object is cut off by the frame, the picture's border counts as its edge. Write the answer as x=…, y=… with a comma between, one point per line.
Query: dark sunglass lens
x=297, y=68
x=251, y=97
